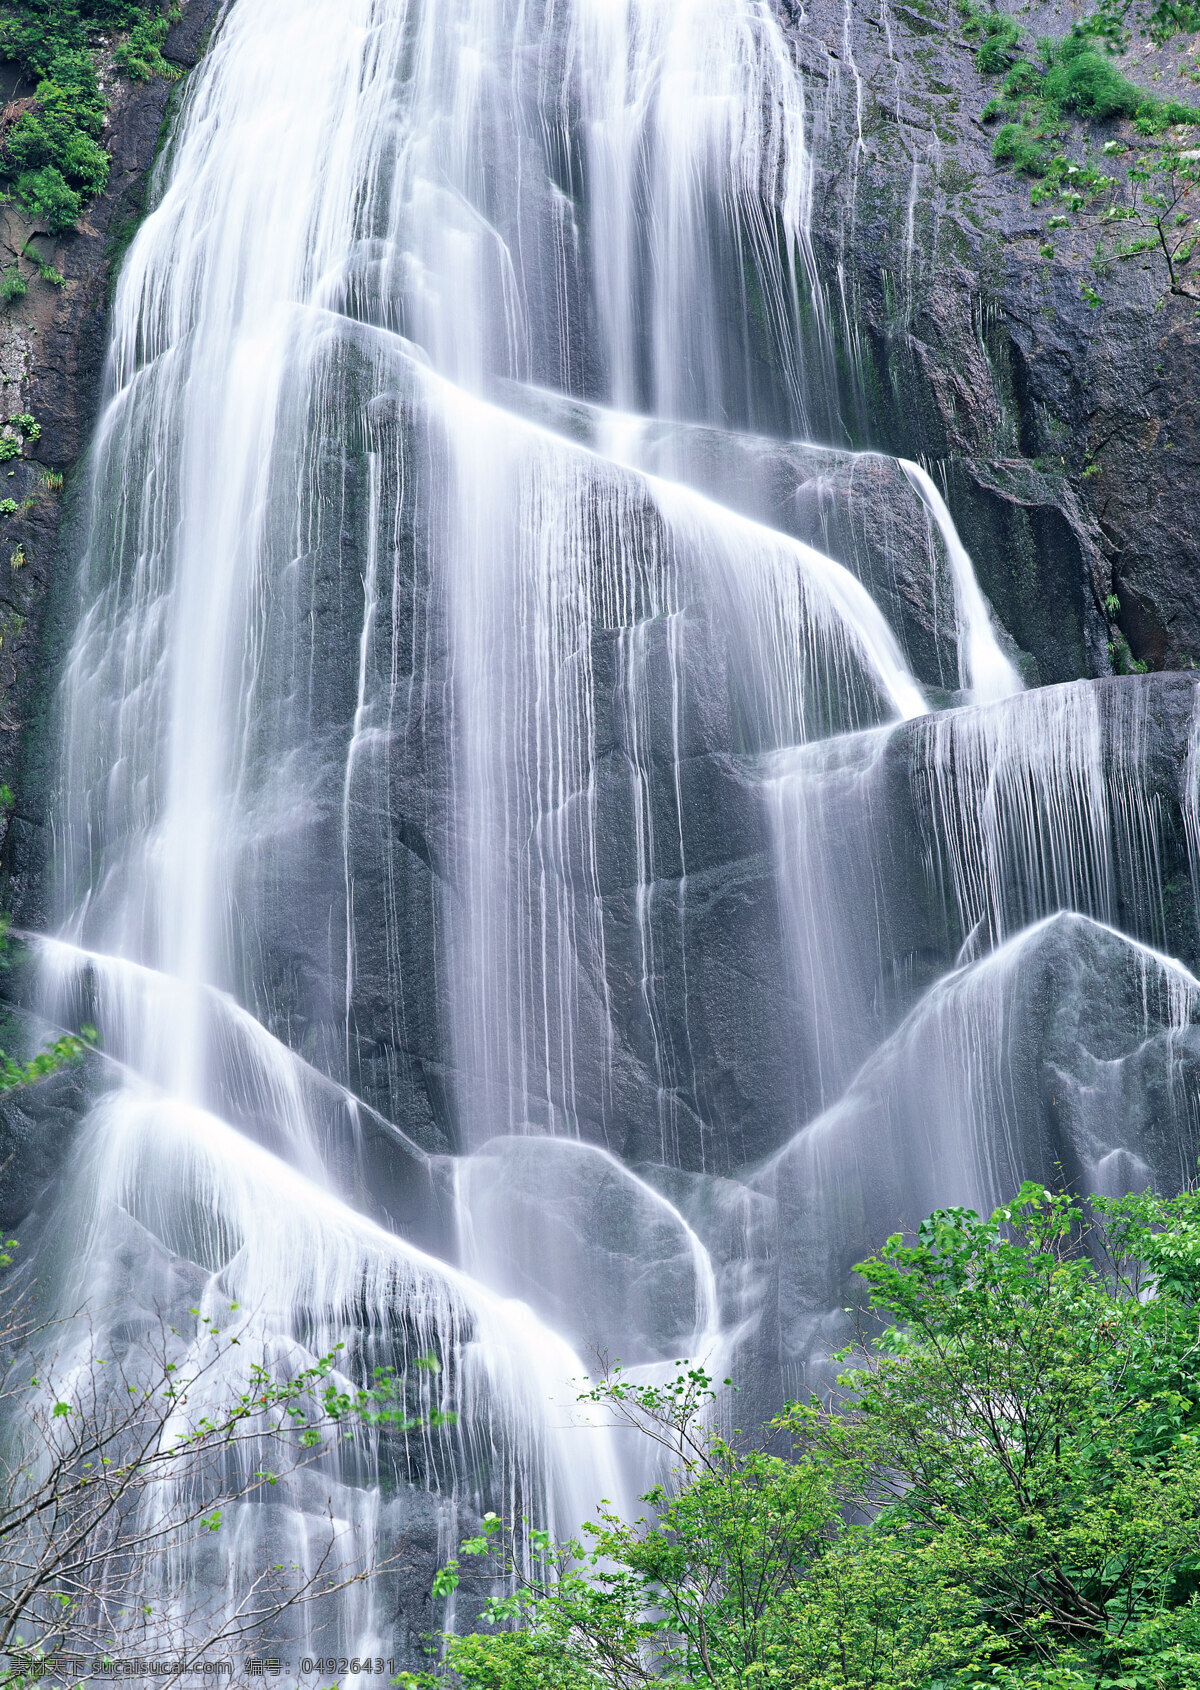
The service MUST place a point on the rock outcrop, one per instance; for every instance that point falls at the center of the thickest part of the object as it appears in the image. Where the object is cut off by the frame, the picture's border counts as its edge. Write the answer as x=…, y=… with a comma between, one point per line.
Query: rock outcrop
x=1065, y=431
x=51, y=362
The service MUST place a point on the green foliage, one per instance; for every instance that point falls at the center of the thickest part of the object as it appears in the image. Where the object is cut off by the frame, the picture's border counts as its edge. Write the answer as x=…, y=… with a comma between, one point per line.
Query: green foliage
x=70, y=1048
x=1153, y=210
x=53, y=156
x=13, y=285
x=1073, y=77
x=1005, y=1491
x=10, y=444
x=48, y=199
x=1158, y=193
x=1085, y=82
x=1173, y=17
x=140, y=55
x=1016, y=146
x=46, y=271
x=110, y=1434
x=996, y=33
x=999, y=42
x=1164, y=211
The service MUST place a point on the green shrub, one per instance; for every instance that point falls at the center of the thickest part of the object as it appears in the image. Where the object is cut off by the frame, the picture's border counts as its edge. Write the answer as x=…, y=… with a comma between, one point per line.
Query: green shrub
x=47, y=198
x=1016, y=146
x=1000, y=39
x=140, y=57
x=13, y=286
x=999, y=107
x=1022, y=80
x=53, y=155
x=1083, y=81
x=1004, y=1494
x=1174, y=17
x=38, y=141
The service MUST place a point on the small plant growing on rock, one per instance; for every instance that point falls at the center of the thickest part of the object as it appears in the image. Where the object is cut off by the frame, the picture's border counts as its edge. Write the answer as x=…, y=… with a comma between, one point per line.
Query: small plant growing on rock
x=46, y=271
x=1157, y=195
x=1022, y=150
x=13, y=285
x=140, y=56
x=10, y=443
x=1165, y=210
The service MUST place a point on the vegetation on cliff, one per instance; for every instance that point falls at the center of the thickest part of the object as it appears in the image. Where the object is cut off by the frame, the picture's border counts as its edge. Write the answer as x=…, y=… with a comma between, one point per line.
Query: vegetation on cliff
x=1145, y=191
x=1004, y=1491
x=52, y=157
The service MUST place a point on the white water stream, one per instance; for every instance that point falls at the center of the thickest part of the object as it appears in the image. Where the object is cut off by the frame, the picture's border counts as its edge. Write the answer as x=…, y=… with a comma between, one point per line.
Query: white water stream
x=404, y=715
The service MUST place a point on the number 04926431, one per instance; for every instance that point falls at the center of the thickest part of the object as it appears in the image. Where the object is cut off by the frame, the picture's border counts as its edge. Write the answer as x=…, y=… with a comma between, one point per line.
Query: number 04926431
x=370, y=1665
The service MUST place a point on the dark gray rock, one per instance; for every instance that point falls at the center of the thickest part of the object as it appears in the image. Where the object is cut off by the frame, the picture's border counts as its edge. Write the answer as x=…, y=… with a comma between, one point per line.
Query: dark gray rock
x=37, y=1129
x=855, y=507
x=188, y=35
x=594, y=1251
x=1068, y=1054
x=1065, y=434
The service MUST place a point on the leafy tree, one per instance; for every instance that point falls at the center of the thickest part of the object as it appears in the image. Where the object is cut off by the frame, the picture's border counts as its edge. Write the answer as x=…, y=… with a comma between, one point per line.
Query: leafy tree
x=107, y=1481
x=1164, y=210
x=1003, y=1489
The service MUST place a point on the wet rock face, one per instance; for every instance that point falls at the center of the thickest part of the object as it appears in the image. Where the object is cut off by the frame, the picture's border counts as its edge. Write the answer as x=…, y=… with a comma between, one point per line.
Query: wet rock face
x=1068, y=1052
x=971, y=350
x=1067, y=435
x=594, y=1251
x=51, y=359
x=37, y=1128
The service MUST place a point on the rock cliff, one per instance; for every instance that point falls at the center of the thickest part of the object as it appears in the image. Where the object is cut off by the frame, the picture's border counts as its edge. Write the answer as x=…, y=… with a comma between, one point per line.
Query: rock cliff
x=947, y=328
x=51, y=363
x=1065, y=431
x=1065, y=438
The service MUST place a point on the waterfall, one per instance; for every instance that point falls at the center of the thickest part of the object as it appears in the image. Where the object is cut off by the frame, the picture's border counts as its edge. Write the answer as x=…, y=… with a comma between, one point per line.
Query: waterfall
x=561, y=860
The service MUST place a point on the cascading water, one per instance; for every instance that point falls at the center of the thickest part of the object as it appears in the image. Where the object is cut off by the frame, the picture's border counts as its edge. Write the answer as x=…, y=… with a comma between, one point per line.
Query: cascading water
x=528, y=906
